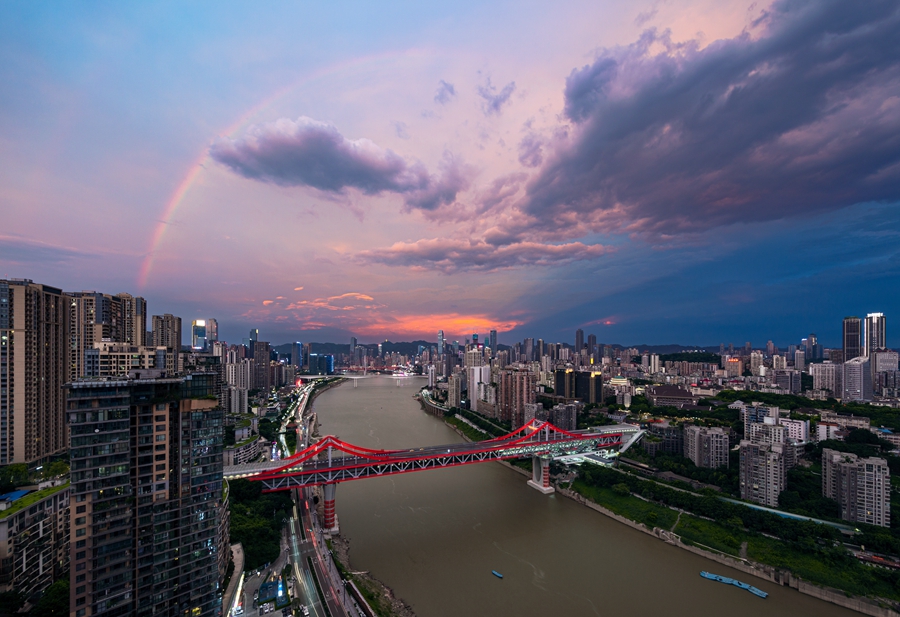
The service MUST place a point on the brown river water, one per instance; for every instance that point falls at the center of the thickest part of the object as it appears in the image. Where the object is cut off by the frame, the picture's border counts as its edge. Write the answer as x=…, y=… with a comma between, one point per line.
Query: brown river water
x=434, y=536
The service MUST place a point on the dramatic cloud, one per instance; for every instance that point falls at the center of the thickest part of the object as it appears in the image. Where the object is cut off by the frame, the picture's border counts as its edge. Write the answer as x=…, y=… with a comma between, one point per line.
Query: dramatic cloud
x=450, y=256
x=493, y=100
x=801, y=115
x=445, y=93
x=310, y=153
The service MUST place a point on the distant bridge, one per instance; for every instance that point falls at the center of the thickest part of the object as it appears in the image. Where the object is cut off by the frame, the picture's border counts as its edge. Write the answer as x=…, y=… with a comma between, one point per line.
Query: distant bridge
x=331, y=460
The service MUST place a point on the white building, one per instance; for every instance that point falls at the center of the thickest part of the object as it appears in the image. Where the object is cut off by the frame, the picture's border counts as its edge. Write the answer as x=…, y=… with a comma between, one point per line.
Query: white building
x=857, y=380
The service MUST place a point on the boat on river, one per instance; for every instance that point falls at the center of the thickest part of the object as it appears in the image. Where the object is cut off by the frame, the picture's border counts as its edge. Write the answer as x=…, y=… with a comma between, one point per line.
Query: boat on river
x=736, y=583
x=497, y=574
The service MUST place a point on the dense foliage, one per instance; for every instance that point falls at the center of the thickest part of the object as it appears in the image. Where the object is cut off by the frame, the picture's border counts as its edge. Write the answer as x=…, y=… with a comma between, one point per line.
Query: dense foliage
x=256, y=521
x=55, y=601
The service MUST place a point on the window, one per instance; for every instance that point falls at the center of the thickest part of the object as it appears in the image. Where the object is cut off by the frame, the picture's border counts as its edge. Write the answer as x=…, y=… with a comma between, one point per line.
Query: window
x=160, y=438
x=80, y=520
x=80, y=509
x=79, y=532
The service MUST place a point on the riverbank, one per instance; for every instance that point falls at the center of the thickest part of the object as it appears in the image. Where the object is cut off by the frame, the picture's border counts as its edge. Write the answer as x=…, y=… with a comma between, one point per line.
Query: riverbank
x=784, y=577
x=380, y=598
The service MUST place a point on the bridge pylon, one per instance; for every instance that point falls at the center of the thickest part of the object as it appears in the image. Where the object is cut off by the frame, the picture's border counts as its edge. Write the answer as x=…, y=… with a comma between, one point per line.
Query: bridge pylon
x=331, y=524
x=540, y=474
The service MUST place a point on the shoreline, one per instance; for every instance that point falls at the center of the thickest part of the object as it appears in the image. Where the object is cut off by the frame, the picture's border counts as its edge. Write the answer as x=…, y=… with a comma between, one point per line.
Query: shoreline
x=860, y=604
x=397, y=606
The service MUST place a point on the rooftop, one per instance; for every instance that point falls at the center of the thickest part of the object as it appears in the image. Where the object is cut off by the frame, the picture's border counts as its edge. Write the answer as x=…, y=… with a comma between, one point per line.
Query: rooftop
x=30, y=499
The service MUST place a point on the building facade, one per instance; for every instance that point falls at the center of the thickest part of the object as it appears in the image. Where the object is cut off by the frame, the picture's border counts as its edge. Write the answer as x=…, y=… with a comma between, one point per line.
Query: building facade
x=861, y=486
x=33, y=337
x=146, y=497
x=34, y=539
x=706, y=447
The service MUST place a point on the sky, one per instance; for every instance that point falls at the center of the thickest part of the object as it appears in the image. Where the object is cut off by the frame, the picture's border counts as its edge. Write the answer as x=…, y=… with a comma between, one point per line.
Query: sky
x=652, y=172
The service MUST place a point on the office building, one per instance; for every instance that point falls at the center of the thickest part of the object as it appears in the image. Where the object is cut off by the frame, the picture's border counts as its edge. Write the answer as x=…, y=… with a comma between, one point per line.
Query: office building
x=199, y=335
x=440, y=342
x=799, y=360
x=852, y=337
x=875, y=335
x=33, y=360
x=706, y=447
x=579, y=340
x=788, y=380
x=167, y=332
x=492, y=341
x=146, y=497
x=861, y=486
x=856, y=380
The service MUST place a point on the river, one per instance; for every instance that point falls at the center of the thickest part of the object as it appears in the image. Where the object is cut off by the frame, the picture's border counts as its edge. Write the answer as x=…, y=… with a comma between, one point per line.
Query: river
x=434, y=536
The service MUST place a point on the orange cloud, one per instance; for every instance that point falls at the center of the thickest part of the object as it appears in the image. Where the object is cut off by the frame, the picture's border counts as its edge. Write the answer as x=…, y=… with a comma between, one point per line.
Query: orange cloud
x=453, y=324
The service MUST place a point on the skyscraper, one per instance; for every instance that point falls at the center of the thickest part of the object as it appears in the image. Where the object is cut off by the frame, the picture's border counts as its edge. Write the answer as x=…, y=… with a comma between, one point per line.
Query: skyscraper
x=212, y=331
x=440, y=342
x=32, y=371
x=875, y=334
x=146, y=459
x=852, y=338
x=492, y=341
x=579, y=340
x=592, y=343
x=198, y=335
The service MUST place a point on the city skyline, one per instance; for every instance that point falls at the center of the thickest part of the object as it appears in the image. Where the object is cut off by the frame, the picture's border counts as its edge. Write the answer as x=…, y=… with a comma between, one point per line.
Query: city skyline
x=386, y=173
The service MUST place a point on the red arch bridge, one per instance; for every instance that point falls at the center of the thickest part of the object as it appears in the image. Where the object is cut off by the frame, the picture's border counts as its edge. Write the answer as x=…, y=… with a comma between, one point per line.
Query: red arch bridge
x=331, y=460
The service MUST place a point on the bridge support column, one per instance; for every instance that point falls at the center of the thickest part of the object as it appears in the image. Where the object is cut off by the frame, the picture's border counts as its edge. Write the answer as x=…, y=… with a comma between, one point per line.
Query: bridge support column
x=540, y=475
x=330, y=523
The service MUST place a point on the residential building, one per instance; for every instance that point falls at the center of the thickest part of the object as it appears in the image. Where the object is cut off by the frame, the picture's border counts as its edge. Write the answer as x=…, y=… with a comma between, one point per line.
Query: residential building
x=199, y=335
x=107, y=359
x=706, y=447
x=845, y=421
x=883, y=360
x=564, y=415
x=33, y=360
x=454, y=390
x=146, y=472
x=799, y=360
x=133, y=319
x=797, y=430
x=788, y=380
x=861, y=486
x=672, y=437
x=827, y=376
x=762, y=472
x=516, y=389
x=167, y=332
x=34, y=538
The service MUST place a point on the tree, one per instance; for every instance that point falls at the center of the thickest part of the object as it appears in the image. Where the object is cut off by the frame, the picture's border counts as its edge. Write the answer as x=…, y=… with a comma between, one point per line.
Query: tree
x=56, y=468
x=12, y=476
x=55, y=601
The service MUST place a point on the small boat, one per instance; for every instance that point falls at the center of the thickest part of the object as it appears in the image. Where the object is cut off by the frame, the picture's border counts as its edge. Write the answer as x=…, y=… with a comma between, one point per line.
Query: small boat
x=736, y=583
x=497, y=574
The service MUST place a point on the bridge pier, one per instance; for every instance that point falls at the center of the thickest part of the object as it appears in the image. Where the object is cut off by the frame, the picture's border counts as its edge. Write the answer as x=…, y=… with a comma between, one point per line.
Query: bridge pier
x=330, y=524
x=540, y=475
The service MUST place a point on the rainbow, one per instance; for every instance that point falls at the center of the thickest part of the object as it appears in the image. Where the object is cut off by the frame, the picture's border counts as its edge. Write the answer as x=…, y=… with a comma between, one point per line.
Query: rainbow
x=177, y=198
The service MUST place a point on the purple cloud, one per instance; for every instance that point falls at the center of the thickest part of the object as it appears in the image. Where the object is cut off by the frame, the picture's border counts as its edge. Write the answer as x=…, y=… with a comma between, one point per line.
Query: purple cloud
x=531, y=150
x=445, y=93
x=803, y=116
x=493, y=100
x=449, y=256
x=310, y=153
